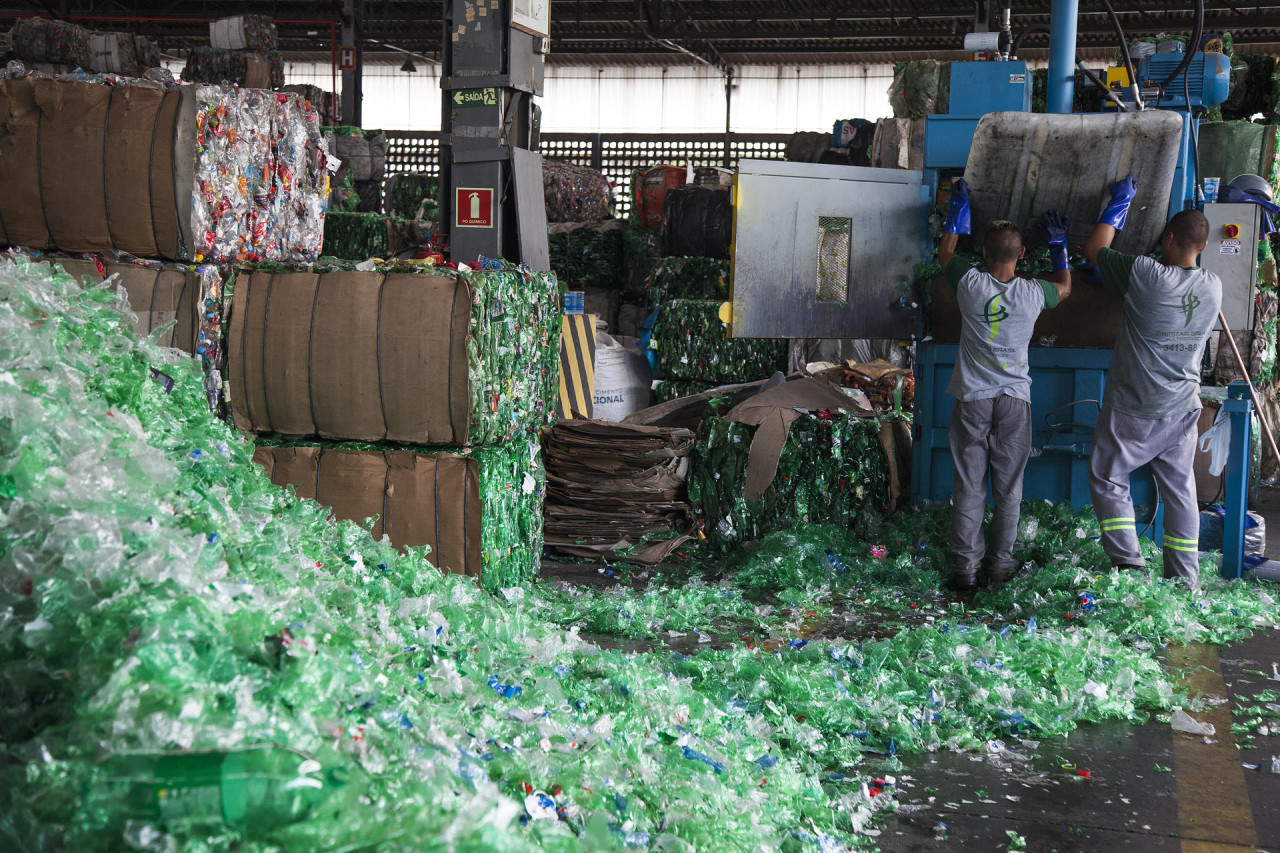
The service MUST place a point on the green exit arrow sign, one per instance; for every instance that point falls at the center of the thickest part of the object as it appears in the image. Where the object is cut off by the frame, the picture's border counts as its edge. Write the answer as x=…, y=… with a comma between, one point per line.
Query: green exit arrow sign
x=475, y=97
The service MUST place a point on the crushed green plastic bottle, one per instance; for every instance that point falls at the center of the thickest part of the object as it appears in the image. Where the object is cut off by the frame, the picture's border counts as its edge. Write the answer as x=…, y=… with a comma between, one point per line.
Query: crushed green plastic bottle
x=690, y=278
x=691, y=342
x=162, y=597
x=831, y=470
x=252, y=790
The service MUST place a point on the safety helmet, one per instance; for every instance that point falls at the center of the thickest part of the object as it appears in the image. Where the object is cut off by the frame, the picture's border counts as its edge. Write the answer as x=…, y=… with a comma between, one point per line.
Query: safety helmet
x=1252, y=184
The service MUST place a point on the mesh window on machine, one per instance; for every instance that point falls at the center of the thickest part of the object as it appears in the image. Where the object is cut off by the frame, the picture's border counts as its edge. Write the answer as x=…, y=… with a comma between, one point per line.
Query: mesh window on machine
x=833, y=258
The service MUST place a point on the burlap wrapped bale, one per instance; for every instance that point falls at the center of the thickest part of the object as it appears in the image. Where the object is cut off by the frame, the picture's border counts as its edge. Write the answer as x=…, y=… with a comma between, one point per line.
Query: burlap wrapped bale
x=190, y=173
x=479, y=511
x=452, y=358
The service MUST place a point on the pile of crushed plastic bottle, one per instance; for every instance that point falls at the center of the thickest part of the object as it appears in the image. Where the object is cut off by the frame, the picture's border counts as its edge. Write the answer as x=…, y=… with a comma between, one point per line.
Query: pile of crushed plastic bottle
x=195, y=659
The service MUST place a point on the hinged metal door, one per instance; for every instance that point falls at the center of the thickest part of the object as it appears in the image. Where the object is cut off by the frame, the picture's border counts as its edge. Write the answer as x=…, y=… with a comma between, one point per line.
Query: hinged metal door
x=825, y=251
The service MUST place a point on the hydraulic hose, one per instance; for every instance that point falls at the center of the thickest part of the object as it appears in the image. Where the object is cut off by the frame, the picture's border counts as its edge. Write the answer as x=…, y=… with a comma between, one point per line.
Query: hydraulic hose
x=1026, y=31
x=1187, y=54
x=1124, y=51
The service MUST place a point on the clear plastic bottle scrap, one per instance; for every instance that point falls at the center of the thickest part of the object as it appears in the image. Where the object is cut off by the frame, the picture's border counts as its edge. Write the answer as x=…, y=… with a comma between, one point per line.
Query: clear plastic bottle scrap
x=251, y=619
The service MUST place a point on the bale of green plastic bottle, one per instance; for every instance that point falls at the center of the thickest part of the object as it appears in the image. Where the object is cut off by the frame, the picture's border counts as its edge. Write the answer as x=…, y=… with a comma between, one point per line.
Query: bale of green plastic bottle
x=413, y=195
x=692, y=342
x=690, y=278
x=641, y=251
x=404, y=352
x=831, y=471
x=477, y=510
x=587, y=254
x=355, y=236
x=665, y=390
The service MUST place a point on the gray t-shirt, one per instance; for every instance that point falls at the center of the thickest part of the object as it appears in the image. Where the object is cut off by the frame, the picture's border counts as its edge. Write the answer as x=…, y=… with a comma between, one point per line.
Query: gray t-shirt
x=996, y=322
x=1168, y=314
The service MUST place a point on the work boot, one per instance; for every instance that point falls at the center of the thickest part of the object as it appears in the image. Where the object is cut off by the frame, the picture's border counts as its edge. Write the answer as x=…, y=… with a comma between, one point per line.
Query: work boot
x=963, y=581
x=998, y=577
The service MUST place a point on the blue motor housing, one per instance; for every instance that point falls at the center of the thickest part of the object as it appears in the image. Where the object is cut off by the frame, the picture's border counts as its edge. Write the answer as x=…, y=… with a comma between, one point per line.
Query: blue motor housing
x=1209, y=78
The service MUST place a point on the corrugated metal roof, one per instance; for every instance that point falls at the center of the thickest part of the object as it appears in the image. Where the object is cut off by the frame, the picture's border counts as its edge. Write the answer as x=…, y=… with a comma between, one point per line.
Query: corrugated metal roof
x=646, y=32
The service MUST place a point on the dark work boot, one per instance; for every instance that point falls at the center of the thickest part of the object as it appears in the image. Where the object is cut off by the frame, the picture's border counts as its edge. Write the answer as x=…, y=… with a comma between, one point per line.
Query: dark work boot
x=963, y=581
x=998, y=577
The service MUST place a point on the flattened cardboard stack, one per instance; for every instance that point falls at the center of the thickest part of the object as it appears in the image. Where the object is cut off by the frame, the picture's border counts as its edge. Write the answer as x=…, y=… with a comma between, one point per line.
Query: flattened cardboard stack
x=466, y=360
x=616, y=491
x=189, y=173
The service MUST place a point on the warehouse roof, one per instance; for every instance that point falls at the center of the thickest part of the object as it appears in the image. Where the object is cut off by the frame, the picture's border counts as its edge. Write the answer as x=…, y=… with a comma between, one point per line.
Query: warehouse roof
x=613, y=32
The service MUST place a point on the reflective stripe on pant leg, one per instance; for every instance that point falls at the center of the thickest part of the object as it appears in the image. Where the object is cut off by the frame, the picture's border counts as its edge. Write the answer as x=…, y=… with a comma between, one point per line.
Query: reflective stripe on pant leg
x=970, y=424
x=1010, y=449
x=1175, y=477
x=1109, y=471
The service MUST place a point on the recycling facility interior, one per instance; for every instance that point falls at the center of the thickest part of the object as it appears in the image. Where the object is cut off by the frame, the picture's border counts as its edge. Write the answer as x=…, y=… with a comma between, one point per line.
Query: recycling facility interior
x=349, y=502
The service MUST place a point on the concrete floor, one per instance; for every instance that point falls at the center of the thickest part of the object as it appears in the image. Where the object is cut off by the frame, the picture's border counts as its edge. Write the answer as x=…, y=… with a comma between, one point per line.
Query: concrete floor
x=1207, y=801
x=1148, y=788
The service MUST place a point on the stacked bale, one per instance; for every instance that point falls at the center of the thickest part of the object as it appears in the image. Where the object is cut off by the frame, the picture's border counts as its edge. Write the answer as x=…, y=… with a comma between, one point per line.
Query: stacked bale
x=407, y=378
x=52, y=45
x=690, y=342
x=188, y=173
x=241, y=52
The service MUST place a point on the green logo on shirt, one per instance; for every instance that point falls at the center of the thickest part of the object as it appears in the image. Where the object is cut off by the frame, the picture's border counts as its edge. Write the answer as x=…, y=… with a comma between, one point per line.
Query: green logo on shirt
x=1190, y=302
x=993, y=314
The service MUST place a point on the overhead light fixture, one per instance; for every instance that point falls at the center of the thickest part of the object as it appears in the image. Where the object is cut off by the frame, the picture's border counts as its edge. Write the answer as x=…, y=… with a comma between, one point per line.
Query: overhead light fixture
x=409, y=67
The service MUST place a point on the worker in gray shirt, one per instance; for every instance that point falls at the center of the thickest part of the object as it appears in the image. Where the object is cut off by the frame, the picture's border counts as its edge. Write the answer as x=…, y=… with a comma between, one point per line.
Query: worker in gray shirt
x=990, y=429
x=1152, y=401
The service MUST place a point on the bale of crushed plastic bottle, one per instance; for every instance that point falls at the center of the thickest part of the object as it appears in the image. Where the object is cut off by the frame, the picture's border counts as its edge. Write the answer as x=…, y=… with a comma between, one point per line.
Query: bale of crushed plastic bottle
x=413, y=195
x=243, y=32
x=690, y=278
x=189, y=173
x=575, y=193
x=251, y=69
x=690, y=341
x=832, y=471
x=406, y=352
x=920, y=87
x=478, y=510
x=697, y=222
x=587, y=254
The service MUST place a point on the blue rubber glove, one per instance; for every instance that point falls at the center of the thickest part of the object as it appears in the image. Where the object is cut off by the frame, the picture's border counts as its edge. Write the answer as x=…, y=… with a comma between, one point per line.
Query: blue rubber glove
x=1053, y=226
x=1090, y=272
x=958, y=212
x=1122, y=193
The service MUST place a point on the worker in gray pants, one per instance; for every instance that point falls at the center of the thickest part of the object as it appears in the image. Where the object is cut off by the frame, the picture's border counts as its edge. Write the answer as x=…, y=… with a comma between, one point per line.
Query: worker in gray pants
x=1152, y=401
x=991, y=421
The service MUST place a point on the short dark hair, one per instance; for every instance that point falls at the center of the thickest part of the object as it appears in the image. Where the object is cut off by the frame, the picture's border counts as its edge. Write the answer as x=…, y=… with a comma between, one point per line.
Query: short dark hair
x=1189, y=229
x=1003, y=242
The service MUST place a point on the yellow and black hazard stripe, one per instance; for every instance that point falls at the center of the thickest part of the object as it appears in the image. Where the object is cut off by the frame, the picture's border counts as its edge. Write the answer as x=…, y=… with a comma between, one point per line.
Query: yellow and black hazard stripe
x=577, y=366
